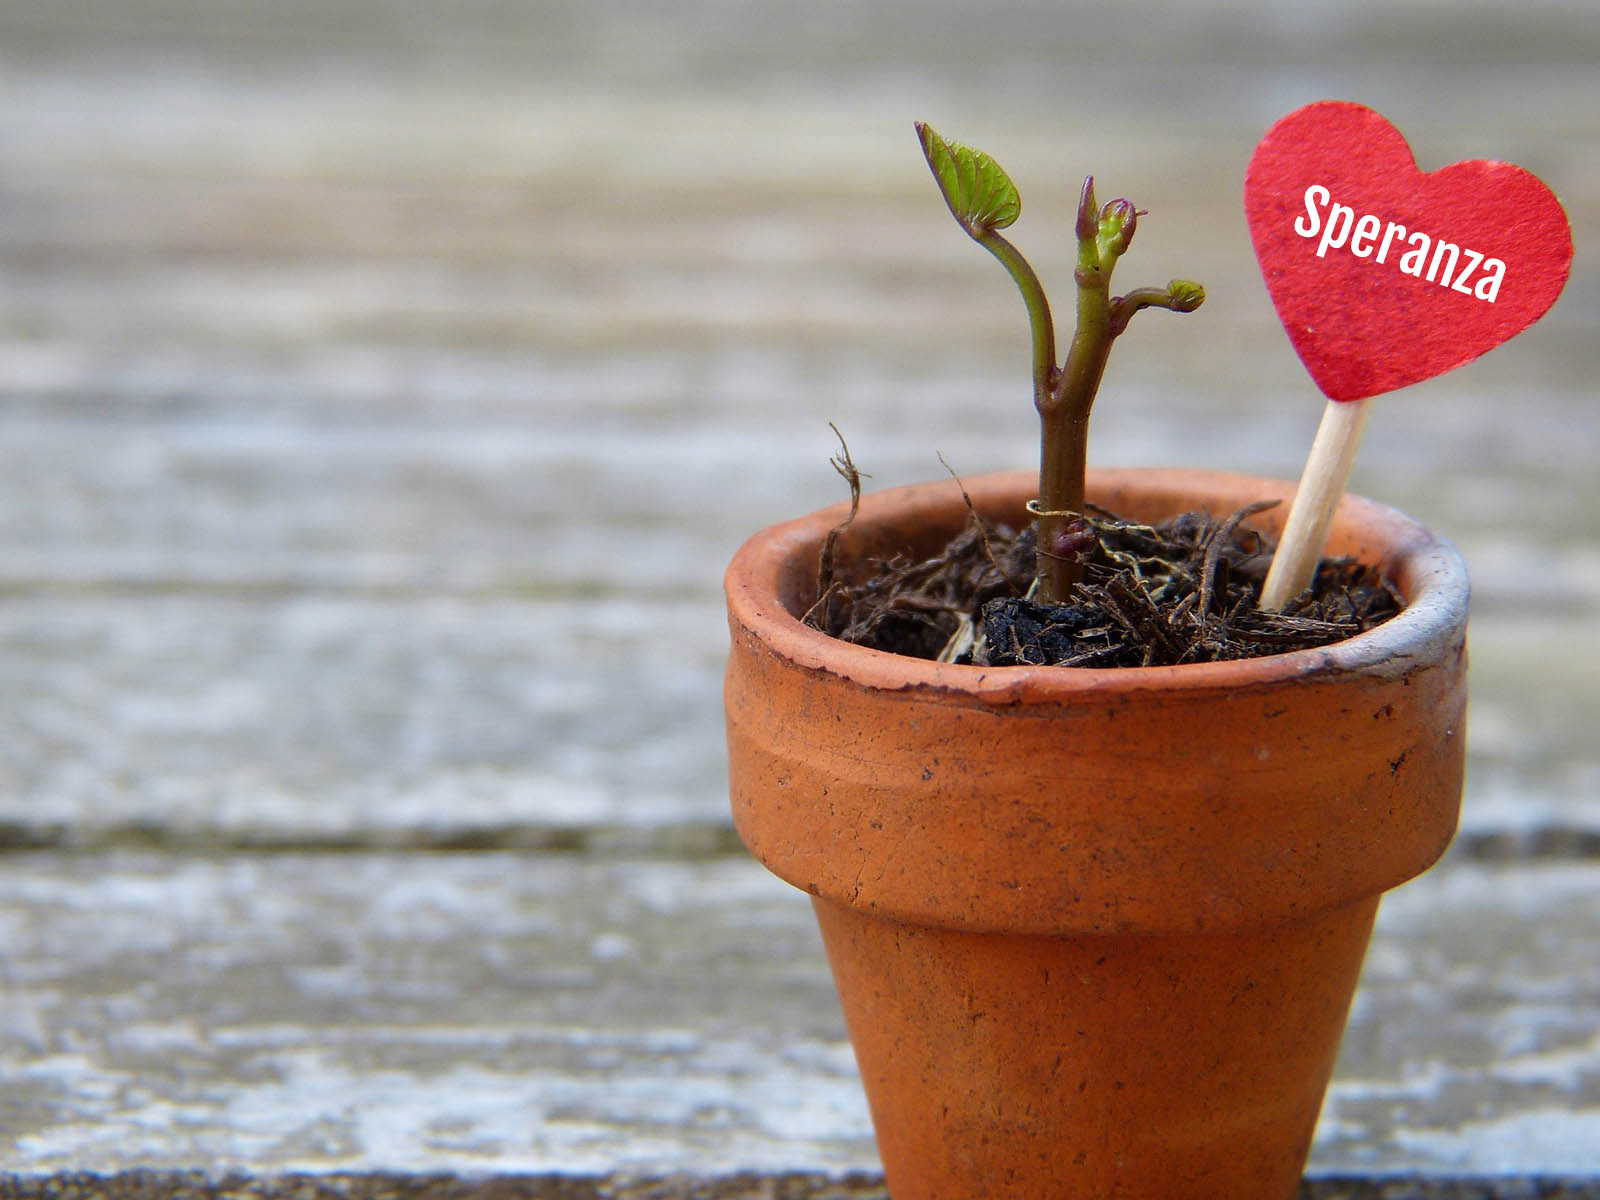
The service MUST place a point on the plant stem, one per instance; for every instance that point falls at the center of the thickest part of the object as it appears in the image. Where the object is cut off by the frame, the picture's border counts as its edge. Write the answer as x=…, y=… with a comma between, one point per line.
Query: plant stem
x=1064, y=426
x=1064, y=411
x=1063, y=450
x=1040, y=323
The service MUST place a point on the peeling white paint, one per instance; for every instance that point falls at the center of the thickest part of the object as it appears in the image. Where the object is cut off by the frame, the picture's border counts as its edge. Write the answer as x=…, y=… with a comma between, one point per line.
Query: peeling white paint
x=1550, y=1141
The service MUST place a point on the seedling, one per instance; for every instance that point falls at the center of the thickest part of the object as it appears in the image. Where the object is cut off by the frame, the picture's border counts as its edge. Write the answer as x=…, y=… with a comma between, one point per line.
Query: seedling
x=984, y=201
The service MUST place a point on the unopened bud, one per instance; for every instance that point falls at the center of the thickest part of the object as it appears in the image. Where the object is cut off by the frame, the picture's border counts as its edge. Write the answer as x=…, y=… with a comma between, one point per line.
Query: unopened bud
x=1118, y=220
x=1088, y=223
x=1186, y=295
x=1072, y=540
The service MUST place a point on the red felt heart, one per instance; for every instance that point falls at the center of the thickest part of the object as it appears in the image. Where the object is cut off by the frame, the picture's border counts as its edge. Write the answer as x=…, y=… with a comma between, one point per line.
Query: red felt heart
x=1385, y=275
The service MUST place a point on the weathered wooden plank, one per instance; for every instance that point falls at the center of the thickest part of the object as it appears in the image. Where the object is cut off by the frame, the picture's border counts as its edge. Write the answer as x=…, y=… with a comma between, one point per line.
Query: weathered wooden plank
x=349, y=719
x=307, y=720
x=865, y=1185
x=547, y=1013
x=449, y=1013
x=637, y=476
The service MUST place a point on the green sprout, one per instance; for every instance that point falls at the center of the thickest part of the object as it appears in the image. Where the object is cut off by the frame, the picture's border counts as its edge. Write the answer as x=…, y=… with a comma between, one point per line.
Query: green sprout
x=984, y=201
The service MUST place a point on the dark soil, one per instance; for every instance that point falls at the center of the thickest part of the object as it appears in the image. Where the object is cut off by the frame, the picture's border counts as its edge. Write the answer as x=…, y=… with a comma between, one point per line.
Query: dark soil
x=1181, y=592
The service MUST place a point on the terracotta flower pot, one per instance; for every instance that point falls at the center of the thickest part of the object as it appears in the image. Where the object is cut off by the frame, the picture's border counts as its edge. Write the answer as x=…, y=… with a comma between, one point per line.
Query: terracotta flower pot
x=1095, y=932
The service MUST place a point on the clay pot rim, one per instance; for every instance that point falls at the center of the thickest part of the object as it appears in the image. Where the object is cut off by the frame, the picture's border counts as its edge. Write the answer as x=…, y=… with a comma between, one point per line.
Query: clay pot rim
x=1428, y=570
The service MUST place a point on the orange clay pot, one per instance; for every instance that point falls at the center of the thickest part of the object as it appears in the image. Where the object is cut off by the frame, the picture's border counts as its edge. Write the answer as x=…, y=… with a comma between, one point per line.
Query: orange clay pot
x=1095, y=932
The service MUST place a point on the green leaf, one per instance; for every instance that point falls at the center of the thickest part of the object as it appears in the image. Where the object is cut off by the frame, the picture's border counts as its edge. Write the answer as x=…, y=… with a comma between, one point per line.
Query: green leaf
x=980, y=194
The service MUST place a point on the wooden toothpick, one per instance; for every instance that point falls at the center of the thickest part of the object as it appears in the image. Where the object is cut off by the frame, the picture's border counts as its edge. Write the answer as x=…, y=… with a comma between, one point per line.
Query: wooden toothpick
x=1321, y=484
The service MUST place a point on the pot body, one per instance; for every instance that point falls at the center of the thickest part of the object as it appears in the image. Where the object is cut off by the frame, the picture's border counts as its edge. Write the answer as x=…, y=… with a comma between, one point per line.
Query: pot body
x=1095, y=932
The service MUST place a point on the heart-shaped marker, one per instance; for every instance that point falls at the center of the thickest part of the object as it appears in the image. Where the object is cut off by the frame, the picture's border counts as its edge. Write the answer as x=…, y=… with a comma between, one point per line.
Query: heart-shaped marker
x=1385, y=275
